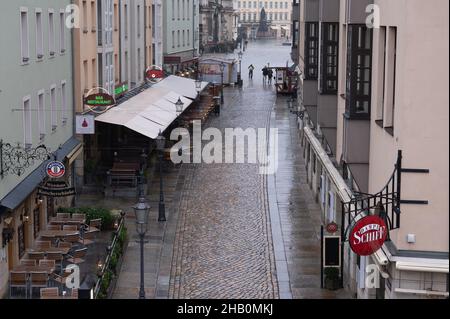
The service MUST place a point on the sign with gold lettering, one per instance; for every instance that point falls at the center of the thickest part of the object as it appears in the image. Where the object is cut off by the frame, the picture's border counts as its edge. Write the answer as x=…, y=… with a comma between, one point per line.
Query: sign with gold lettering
x=368, y=235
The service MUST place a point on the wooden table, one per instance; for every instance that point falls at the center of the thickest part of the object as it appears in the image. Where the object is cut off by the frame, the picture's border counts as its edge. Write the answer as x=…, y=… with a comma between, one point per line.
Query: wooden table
x=59, y=297
x=68, y=221
x=58, y=233
x=63, y=250
x=36, y=268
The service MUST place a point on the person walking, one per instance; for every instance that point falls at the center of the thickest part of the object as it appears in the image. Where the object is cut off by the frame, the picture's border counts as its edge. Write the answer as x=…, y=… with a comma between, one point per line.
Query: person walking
x=265, y=72
x=270, y=75
x=250, y=71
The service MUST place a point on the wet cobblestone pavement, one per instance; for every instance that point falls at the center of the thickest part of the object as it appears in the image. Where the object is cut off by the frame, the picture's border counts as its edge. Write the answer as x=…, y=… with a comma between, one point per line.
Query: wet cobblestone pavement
x=231, y=232
x=224, y=243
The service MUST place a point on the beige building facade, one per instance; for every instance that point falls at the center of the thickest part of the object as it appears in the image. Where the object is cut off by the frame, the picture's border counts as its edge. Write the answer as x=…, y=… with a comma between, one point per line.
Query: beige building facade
x=382, y=110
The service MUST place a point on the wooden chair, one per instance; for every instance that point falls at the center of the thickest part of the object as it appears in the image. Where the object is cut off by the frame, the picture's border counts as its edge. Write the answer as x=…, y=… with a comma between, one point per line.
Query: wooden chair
x=43, y=244
x=54, y=227
x=74, y=293
x=70, y=227
x=79, y=216
x=64, y=244
x=88, y=238
x=28, y=262
x=18, y=279
x=78, y=256
x=47, y=263
x=38, y=279
x=56, y=257
x=95, y=223
x=62, y=215
x=50, y=293
x=36, y=255
x=61, y=278
x=71, y=238
x=50, y=239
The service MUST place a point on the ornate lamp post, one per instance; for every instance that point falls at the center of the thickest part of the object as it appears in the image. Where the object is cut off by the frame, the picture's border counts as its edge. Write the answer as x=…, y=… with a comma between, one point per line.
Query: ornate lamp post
x=179, y=109
x=198, y=86
x=222, y=69
x=141, y=210
x=240, y=54
x=179, y=106
x=160, y=144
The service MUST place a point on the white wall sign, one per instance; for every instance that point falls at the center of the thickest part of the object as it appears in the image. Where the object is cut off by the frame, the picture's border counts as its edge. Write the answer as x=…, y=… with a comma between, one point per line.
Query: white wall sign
x=85, y=124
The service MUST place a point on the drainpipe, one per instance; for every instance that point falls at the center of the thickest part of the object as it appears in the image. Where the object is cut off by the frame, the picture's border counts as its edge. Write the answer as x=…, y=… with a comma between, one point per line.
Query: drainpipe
x=74, y=121
x=193, y=27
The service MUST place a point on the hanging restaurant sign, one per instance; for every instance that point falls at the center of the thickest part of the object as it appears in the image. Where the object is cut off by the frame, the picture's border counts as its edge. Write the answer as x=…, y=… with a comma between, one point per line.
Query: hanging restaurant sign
x=154, y=74
x=99, y=100
x=332, y=227
x=56, y=189
x=368, y=235
x=55, y=169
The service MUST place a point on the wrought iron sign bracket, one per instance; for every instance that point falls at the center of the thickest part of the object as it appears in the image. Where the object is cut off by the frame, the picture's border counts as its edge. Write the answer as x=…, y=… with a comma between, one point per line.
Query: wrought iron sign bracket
x=15, y=159
x=385, y=203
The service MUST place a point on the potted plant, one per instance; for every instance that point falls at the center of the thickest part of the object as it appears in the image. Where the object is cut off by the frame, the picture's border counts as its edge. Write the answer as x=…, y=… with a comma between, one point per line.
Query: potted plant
x=331, y=278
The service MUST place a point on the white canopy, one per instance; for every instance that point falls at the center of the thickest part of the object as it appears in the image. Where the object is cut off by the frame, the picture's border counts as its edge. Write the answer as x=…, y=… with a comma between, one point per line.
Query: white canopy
x=147, y=113
x=184, y=86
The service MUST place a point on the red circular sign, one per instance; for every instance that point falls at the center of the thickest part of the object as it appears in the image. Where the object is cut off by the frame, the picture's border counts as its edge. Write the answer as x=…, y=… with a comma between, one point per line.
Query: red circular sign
x=332, y=227
x=56, y=169
x=368, y=235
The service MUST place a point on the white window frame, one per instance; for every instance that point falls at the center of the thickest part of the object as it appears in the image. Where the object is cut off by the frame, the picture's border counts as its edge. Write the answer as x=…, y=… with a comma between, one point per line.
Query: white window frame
x=53, y=112
x=62, y=32
x=39, y=35
x=24, y=37
x=64, y=116
x=41, y=114
x=27, y=133
x=51, y=33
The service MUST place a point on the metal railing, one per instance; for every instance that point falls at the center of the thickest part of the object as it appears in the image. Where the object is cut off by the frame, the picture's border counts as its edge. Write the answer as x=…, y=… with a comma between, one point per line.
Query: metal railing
x=110, y=249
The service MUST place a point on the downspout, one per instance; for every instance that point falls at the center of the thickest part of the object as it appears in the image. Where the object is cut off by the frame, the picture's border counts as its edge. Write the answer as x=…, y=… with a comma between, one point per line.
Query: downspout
x=193, y=27
x=74, y=121
x=119, y=27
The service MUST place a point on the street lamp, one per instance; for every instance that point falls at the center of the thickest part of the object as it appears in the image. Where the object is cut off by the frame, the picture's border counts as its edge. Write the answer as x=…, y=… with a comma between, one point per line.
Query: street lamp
x=240, y=55
x=222, y=69
x=179, y=109
x=179, y=106
x=141, y=210
x=160, y=144
x=198, y=86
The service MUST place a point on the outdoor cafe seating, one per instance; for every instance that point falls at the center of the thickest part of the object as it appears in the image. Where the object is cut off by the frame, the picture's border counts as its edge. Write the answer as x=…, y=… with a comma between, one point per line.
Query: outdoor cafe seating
x=42, y=265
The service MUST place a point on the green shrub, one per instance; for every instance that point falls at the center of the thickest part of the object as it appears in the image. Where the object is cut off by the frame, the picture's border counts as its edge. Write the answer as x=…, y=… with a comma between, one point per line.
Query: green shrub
x=106, y=281
x=93, y=213
x=331, y=273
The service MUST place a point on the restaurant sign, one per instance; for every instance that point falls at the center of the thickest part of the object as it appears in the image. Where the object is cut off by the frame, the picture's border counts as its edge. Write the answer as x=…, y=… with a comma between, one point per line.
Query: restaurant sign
x=55, y=169
x=56, y=189
x=368, y=235
x=154, y=74
x=99, y=100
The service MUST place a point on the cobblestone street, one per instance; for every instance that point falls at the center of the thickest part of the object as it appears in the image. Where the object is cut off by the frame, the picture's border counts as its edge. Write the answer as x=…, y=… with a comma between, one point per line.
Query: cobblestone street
x=224, y=247
x=231, y=232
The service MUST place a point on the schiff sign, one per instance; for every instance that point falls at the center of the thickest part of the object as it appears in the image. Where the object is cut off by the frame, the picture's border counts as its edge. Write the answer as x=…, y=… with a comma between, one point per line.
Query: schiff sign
x=368, y=235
